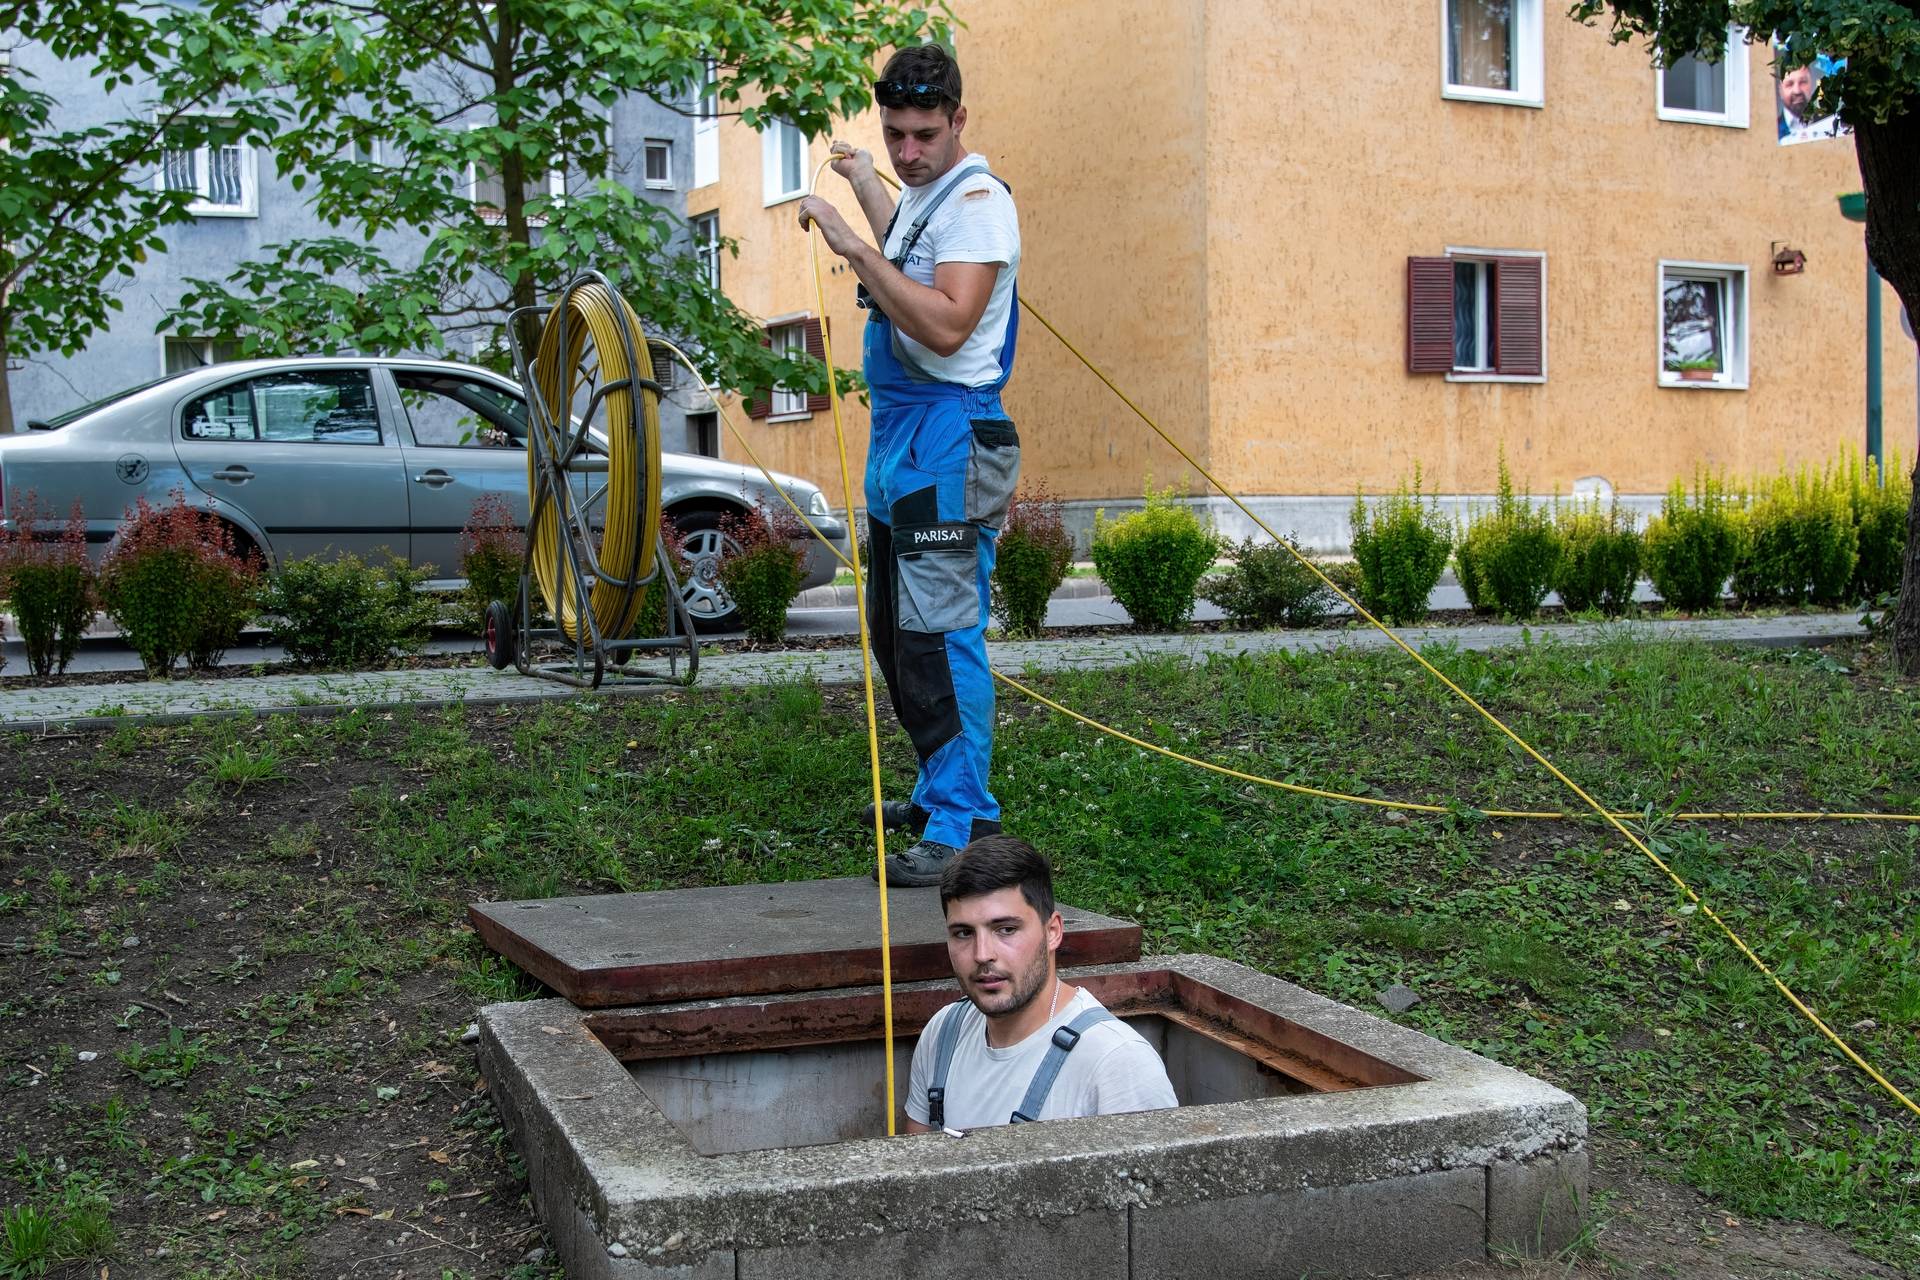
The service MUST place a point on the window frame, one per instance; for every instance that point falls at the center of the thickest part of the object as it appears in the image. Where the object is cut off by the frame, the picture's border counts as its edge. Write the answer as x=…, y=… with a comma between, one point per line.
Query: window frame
x=201, y=206
x=1737, y=72
x=206, y=350
x=1529, y=53
x=647, y=148
x=556, y=188
x=1459, y=253
x=1733, y=277
x=796, y=325
x=772, y=189
x=707, y=247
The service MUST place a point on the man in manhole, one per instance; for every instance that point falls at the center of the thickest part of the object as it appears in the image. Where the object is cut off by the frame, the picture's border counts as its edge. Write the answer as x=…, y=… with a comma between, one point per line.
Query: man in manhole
x=1023, y=1045
x=944, y=457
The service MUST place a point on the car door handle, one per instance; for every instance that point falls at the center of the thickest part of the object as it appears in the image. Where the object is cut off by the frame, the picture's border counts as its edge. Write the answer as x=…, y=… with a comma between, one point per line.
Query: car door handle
x=237, y=475
x=435, y=478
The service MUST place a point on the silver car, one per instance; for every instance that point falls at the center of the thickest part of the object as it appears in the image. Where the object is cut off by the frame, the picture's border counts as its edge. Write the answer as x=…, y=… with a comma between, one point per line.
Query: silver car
x=371, y=456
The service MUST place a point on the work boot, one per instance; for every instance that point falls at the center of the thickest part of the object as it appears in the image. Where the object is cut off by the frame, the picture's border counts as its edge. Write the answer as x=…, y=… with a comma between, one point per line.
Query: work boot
x=897, y=815
x=919, y=866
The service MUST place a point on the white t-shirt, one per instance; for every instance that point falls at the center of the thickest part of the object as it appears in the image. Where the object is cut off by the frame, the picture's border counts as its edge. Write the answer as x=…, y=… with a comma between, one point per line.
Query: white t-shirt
x=1111, y=1070
x=976, y=223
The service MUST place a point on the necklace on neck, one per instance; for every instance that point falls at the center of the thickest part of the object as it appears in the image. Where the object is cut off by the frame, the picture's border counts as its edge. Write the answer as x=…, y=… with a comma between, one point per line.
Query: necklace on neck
x=1054, y=1004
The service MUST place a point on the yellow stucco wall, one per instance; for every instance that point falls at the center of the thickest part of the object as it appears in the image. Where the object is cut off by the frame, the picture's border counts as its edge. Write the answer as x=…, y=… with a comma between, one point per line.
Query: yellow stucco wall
x=1217, y=202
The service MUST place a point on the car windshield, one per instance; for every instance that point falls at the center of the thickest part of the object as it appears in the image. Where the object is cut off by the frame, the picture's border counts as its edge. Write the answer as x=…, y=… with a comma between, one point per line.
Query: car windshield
x=74, y=415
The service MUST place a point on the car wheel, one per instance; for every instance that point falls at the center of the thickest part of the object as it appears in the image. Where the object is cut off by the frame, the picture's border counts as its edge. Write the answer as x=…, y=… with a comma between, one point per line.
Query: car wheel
x=498, y=636
x=704, y=543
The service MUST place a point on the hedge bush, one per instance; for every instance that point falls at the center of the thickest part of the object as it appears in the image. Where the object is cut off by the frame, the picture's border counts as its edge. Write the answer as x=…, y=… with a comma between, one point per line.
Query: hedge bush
x=176, y=586
x=1401, y=546
x=1268, y=586
x=1800, y=543
x=1880, y=518
x=652, y=620
x=492, y=549
x=1152, y=559
x=765, y=574
x=50, y=584
x=1600, y=555
x=1694, y=543
x=1508, y=557
x=1034, y=553
x=345, y=612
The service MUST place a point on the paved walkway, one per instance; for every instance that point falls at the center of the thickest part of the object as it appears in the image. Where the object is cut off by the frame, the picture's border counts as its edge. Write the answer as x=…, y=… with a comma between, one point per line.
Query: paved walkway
x=91, y=705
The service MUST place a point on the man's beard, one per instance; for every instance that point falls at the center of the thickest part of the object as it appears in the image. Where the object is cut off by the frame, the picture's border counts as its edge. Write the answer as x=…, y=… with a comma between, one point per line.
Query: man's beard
x=1022, y=989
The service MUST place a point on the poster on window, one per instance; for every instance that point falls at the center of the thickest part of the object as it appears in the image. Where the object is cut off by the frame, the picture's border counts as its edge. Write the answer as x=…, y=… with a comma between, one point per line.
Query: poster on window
x=1796, y=95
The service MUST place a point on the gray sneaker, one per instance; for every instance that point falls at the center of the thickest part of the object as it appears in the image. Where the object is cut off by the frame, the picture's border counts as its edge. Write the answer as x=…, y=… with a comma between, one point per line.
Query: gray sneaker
x=919, y=866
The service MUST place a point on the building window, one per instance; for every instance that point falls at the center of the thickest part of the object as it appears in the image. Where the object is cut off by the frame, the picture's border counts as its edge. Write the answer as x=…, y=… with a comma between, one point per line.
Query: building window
x=367, y=150
x=1478, y=315
x=221, y=177
x=1703, y=325
x=706, y=127
x=783, y=162
x=1492, y=51
x=181, y=353
x=666, y=369
x=1696, y=91
x=659, y=164
x=489, y=191
x=706, y=246
x=795, y=339
x=703, y=434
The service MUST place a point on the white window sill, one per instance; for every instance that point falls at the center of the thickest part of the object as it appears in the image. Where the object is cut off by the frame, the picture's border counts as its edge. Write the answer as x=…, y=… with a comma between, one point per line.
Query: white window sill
x=221, y=211
x=802, y=416
x=771, y=201
x=1700, y=117
x=659, y=186
x=1501, y=97
x=1717, y=384
x=1474, y=375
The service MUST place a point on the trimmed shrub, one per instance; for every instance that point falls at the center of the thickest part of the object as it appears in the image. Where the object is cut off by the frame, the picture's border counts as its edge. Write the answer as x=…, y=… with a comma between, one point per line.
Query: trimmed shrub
x=765, y=574
x=492, y=549
x=1466, y=561
x=1268, y=586
x=1508, y=558
x=1600, y=558
x=1152, y=559
x=1800, y=543
x=1034, y=552
x=1694, y=543
x=347, y=613
x=1880, y=519
x=176, y=586
x=1401, y=546
x=50, y=585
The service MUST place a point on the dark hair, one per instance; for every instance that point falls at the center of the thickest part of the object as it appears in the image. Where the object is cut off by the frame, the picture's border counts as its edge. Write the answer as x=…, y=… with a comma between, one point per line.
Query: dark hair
x=997, y=862
x=927, y=64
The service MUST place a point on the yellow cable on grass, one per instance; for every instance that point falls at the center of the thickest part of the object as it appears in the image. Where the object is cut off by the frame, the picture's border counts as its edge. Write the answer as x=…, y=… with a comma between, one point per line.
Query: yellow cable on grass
x=627, y=545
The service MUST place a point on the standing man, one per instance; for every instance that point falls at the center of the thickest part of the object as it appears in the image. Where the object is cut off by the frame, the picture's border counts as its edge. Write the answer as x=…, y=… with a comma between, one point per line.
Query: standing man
x=944, y=457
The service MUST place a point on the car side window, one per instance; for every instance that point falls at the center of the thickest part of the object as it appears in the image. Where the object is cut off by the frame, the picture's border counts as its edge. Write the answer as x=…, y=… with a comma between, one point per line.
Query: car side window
x=319, y=406
x=453, y=412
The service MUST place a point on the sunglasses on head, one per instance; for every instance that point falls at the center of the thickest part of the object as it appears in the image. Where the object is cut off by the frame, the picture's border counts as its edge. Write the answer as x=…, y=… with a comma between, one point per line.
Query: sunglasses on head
x=897, y=93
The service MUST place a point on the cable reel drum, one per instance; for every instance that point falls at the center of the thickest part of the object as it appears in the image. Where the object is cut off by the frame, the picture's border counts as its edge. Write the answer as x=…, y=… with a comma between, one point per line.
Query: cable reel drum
x=593, y=546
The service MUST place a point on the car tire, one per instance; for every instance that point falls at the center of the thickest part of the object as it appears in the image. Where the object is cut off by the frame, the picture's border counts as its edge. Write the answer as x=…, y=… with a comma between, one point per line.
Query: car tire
x=498, y=637
x=704, y=542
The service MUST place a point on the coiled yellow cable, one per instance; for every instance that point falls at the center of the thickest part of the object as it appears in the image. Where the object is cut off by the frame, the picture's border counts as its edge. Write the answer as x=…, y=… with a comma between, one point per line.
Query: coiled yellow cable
x=632, y=504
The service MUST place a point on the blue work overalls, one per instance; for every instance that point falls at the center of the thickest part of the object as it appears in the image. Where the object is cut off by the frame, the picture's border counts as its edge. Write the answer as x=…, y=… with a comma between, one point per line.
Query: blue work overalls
x=940, y=474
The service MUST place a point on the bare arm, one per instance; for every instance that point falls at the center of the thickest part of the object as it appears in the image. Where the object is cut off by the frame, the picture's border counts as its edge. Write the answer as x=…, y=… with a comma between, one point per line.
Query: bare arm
x=941, y=317
x=914, y=1126
x=856, y=166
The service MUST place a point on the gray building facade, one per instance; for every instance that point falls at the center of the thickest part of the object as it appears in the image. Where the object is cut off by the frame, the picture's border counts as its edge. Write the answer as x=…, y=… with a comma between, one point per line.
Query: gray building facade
x=244, y=206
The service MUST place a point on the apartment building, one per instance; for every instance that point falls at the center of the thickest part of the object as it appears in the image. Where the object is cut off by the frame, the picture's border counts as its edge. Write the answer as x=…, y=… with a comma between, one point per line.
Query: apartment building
x=1325, y=242
x=242, y=205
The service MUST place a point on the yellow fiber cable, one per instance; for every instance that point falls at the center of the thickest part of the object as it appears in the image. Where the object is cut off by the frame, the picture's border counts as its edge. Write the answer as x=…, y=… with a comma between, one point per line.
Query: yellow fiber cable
x=627, y=545
x=866, y=660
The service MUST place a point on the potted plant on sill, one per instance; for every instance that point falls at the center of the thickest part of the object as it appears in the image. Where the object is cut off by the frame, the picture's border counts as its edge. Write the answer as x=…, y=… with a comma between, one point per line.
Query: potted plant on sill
x=1701, y=369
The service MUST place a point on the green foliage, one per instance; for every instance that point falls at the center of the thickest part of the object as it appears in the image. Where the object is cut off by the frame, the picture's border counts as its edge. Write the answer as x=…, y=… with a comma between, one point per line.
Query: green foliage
x=50, y=586
x=765, y=574
x=1152, y=559
x=170, y=1063
x=1508, y=556
x=1600, y=554
x=657, y=603
x=1800, y=544
x=1268, y=586
x=26, y=1235
x=1034, y=552
x=492, y=549
x=1694, y=543
x=175, y=585
x=345, y=612
x=1401, y=545
x=1880, y=519
x=548, y=71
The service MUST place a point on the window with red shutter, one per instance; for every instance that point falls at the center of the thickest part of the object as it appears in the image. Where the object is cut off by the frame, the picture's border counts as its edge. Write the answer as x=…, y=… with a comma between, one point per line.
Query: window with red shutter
x=1429, y=315
x=1519, y=304
x=1477, y=316
x=760, y=403
x=817, y=348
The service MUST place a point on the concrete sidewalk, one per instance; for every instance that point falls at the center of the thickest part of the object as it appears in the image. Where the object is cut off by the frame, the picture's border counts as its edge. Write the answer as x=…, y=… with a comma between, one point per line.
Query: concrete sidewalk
x=31, y=709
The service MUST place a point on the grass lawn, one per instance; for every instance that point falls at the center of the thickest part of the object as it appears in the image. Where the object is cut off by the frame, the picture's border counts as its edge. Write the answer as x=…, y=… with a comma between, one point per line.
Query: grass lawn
x=258, y=927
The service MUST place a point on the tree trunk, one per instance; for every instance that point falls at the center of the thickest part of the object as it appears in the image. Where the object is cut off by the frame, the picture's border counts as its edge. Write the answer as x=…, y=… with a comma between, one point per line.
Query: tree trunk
x=6, y=390
x=1890, y=175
